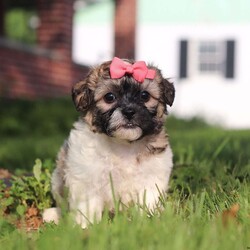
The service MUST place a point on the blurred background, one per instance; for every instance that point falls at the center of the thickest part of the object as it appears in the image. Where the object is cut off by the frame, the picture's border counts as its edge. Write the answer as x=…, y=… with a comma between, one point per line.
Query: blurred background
x=47, y=45
x=202, y=46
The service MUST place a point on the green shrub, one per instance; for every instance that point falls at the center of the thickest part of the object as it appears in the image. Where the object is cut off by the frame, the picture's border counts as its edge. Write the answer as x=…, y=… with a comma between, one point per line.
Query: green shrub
x=27, y=191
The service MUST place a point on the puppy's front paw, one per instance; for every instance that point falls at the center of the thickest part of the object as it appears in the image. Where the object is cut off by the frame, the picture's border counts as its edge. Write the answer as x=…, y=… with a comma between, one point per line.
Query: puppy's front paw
x=52, y=214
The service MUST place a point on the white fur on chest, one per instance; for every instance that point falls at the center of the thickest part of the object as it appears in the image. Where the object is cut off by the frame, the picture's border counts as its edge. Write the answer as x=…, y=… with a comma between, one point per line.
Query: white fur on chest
x=95, y=158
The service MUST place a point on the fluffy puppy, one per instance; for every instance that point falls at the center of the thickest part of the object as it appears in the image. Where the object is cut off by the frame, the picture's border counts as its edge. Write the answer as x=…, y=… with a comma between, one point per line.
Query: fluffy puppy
x=118, y=147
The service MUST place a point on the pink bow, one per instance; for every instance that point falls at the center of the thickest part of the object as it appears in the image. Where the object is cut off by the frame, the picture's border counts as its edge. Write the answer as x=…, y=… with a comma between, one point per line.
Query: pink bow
x=139, y=70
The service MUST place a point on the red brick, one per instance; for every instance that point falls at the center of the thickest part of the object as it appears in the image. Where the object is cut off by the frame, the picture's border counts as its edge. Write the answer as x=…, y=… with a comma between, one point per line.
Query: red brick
x=25, y=74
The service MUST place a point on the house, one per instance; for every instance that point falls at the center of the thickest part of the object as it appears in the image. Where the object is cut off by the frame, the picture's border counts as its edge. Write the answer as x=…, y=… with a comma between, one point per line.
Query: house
x=43, y=69
x=202, y=46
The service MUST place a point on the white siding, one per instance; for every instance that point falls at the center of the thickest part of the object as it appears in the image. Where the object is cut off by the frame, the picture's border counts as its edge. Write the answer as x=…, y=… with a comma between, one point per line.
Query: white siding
x=215, y=98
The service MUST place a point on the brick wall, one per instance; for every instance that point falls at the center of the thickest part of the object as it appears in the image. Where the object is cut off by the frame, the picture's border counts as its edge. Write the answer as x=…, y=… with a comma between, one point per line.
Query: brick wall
x=56, y=30
x=45, y=70
x=31, y=73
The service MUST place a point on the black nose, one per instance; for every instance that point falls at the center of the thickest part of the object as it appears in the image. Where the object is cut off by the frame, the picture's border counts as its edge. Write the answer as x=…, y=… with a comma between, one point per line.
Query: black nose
x=128, y=112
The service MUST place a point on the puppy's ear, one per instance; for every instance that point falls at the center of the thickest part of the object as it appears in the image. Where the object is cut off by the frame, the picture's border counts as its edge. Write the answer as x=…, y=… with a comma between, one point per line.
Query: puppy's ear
x=168, y=92
x=82, y=96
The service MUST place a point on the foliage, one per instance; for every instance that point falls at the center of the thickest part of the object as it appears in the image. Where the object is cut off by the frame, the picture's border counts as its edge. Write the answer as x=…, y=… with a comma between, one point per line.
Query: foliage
x=37, y=118
x=27, y=191
x=17, y=25
x=31, y=130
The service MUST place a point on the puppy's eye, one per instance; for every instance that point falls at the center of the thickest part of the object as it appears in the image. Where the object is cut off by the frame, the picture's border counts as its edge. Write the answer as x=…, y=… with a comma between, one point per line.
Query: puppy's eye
x=109, y=98
x=145, y=96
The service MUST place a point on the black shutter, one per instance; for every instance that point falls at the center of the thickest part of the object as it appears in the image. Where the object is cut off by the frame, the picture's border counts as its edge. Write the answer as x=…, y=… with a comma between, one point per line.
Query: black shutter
x=183, y=59
x=230, y=59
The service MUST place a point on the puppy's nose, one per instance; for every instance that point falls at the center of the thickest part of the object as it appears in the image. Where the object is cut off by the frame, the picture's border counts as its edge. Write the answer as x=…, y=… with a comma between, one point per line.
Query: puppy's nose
x=128, y=112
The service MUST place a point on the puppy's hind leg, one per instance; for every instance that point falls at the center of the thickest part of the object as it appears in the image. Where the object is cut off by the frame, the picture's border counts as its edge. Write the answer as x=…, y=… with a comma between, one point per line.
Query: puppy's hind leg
x=57, y=182
x=58, y=176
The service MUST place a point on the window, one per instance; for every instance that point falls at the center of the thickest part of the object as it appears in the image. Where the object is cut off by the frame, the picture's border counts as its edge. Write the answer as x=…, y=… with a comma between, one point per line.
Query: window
x=211, y=56
x=202, y=57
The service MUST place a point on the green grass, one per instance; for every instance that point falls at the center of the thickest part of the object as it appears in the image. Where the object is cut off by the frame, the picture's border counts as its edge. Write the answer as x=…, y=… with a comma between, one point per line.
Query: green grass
x=30, y=130
x=211, y=173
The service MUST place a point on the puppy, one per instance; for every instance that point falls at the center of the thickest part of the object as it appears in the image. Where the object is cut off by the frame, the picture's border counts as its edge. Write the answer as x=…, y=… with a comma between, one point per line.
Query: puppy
x=118, y=149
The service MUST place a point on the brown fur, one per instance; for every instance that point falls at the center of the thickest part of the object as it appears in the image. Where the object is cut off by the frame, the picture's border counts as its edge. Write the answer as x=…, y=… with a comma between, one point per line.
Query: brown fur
x=98, y=83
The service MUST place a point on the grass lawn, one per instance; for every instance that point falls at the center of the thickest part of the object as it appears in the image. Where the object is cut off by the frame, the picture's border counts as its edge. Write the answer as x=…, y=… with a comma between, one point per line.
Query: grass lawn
x=207, y=207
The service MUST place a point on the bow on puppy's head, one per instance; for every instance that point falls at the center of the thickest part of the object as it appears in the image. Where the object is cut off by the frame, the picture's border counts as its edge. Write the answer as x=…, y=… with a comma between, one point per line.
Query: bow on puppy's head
x=139, y=70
